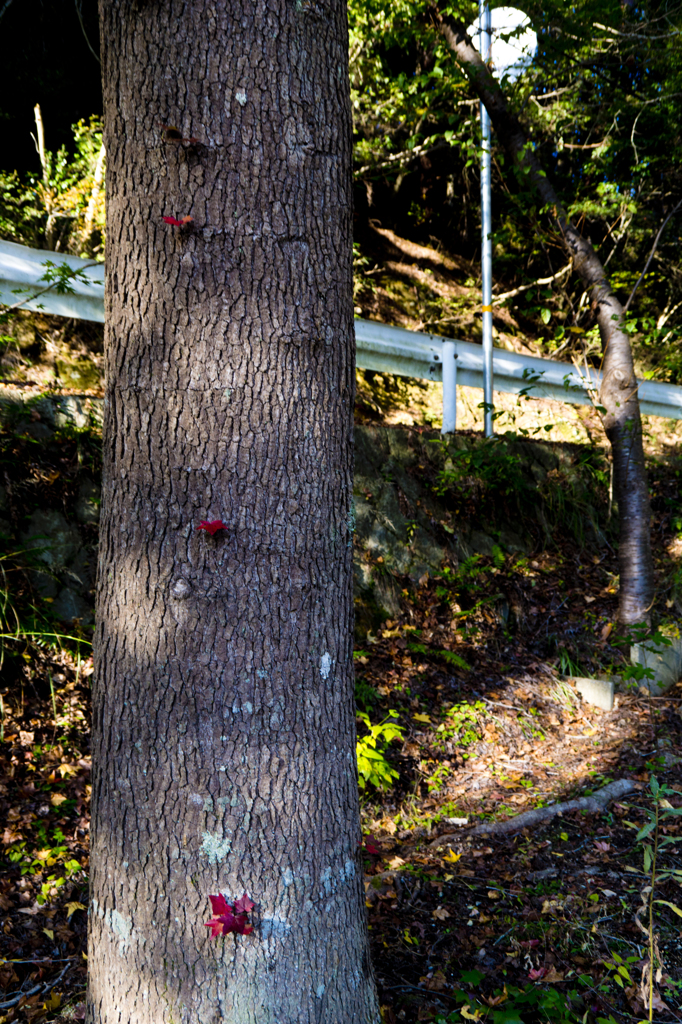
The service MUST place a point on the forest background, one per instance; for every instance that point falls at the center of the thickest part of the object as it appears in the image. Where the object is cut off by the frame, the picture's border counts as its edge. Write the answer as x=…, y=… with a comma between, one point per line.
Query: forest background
x=464, y=663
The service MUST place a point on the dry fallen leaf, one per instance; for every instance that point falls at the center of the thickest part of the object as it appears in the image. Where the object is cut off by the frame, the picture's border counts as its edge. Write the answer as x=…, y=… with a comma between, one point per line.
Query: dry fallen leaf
x=450, y=857
x=395, y=863
x=440, y=914
x=437, y=983
x=53, y=1001
x=464, y=1010
x=57, y=798
x=71, y=908
x=497, y=1000
x=422, y=718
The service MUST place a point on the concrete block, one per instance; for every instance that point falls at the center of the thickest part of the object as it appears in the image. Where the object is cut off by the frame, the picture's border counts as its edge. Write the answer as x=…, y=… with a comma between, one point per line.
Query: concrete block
x=665, y=663
x=595, y=691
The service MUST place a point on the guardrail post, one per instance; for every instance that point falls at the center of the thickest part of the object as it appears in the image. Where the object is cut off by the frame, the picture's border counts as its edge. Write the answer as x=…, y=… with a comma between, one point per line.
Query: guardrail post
x=449, y=388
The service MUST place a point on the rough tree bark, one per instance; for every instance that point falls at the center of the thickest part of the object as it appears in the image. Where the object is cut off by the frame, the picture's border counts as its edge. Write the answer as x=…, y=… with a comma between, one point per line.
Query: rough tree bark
x=224, y=723
x=618, y=395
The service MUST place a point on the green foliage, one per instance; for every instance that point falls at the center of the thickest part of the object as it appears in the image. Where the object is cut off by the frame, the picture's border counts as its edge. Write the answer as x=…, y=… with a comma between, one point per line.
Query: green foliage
x=566, y=665
x=448, y=656
x=600, y=104
x=365, y=694
x=487, y=466
x=512, y=1005
x=491, y=478
x=404, y=86
x=373, y=768
x=461, y=724
x=51, y=211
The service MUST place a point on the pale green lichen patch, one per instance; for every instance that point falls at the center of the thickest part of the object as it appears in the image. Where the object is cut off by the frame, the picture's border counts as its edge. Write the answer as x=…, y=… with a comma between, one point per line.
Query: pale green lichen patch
x=121, y=926
x=215, y=846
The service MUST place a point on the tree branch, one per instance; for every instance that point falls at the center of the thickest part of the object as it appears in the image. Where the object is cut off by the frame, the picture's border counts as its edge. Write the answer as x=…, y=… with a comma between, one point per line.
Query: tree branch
x=597, y=803
x=497, y=299
x=618, y=395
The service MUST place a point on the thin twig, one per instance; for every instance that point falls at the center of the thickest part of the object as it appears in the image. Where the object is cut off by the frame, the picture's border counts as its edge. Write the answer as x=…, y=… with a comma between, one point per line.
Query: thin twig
x=43, y=987
x=651, y=256
x=36, y=295
x=497, y=299
x=80, y=18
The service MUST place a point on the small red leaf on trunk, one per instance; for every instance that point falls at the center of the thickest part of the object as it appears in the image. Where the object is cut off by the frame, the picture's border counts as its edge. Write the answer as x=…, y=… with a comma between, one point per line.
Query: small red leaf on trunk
x=244, y=905
x=212, y=528
x=227, y=918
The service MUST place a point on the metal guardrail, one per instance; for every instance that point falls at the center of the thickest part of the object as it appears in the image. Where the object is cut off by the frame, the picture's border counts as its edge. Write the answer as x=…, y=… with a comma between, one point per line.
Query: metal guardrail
x=396, y=350
x=379, y=347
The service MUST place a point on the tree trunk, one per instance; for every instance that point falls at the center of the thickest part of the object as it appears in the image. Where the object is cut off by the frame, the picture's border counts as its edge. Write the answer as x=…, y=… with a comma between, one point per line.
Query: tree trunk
x=622, y=420
x=224, y=721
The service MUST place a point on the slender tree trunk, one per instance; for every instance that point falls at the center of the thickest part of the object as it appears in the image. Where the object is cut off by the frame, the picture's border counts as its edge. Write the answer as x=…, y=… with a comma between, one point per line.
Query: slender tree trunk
x=224, y=722
x=622, y=420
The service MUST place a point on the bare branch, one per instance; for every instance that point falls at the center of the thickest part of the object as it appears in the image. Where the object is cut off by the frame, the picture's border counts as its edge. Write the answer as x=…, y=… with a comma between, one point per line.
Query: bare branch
x=633, y=35
x=79, y=12
x=667, y=313
x=497, y=299
x=398, y=159
x=651, y=256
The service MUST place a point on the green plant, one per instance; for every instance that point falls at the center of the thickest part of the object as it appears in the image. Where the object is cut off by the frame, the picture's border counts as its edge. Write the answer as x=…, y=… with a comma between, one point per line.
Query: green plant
x=373, y=768
x=489, y=466
x=662, y=808
x=512, y=1005
x=365, y=694
x=566, y=665
x=361, y=270
x=462, y=724
x=63, y=206
x=448, y=656
x=620, y=971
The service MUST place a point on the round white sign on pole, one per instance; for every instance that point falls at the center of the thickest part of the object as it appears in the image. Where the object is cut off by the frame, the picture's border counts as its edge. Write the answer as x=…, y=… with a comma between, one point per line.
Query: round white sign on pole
x=510, y=57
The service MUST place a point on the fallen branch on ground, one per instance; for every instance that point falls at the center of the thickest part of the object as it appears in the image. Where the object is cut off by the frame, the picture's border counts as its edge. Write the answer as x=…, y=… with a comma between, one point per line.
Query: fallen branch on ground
x=596, y=803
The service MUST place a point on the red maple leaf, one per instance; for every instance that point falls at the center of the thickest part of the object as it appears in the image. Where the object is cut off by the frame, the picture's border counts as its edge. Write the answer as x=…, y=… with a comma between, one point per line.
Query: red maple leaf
x=228, y=918
x=178, y=223
x=536, y=973
x=212, y=527
x=244, y=905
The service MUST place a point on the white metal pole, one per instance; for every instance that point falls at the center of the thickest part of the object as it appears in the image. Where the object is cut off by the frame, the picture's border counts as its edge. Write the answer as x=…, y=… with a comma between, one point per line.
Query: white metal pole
x=449, y=388
x=485, y=22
